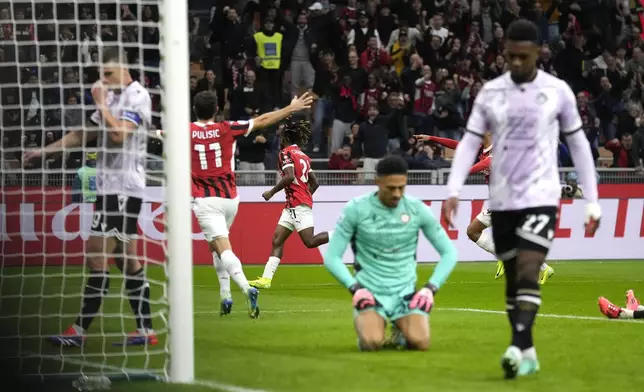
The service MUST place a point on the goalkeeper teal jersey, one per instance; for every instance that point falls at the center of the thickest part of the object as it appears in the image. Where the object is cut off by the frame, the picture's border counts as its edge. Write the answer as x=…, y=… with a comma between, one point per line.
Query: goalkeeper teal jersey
x=384, y=241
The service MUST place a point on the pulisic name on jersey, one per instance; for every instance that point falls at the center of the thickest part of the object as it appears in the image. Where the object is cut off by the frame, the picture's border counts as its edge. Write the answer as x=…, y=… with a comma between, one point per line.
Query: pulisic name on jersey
x=205, y=134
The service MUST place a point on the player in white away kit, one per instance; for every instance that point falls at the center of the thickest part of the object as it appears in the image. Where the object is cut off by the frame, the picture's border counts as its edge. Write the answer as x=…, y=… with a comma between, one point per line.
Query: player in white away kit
x=124, y=115
x=525, y=109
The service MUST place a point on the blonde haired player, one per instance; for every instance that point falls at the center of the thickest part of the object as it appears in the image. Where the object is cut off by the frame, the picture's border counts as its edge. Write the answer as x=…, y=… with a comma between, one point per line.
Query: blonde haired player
x=476, y=230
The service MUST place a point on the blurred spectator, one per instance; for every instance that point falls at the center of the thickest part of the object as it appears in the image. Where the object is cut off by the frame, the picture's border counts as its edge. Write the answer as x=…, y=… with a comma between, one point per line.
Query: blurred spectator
x=638, y=147
x=326, y=76
x=267, y=52
x=299, y=47
x=360, y=35
x=621, y=149
x=342, y=159
x=345, y=109
x=252, y=150
x=372, y=140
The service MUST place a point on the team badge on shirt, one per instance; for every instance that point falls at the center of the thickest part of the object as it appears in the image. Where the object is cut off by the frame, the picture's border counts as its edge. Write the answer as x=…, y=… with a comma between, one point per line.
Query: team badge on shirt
x=541, y=98
x=405, y=218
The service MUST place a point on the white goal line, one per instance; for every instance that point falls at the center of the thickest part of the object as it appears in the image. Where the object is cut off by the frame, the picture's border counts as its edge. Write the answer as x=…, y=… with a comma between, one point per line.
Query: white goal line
x=471, y=310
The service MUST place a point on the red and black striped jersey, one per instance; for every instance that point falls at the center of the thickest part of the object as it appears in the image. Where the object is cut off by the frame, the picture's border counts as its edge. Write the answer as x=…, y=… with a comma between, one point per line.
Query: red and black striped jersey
x=298, y=193
x=212, y=153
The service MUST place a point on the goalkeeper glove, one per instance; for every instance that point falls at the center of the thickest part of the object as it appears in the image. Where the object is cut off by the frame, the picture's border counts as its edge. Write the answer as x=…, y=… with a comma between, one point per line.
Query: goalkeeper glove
x=362, y=298
x=424, y=298
x=593, y=215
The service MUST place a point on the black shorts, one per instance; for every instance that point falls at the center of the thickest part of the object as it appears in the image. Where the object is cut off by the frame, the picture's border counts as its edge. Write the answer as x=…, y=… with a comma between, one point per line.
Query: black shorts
x=528, y=229
x=116, y=216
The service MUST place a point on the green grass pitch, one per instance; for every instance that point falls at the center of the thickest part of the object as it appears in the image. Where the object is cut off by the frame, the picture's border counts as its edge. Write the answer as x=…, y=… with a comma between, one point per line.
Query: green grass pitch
x=304, y=339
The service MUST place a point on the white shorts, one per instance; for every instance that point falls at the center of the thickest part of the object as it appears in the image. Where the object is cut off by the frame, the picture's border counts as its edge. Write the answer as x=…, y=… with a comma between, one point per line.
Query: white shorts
x=298, y=218
x=485, y=217
x=215, y=215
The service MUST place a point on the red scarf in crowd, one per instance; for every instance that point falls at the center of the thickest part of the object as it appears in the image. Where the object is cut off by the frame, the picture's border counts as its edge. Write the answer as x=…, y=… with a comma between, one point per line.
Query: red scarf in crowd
x=345, y=92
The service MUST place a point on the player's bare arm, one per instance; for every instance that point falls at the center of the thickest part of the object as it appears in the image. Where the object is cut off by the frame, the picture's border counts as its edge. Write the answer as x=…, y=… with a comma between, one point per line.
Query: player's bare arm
x=287, y=179
x=117, y=129
x=313, y=182
x=71, y=140
x=271, y=118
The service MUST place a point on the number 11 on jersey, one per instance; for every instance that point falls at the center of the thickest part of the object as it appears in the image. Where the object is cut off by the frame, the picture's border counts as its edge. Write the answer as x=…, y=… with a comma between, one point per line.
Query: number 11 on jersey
x=203, y=159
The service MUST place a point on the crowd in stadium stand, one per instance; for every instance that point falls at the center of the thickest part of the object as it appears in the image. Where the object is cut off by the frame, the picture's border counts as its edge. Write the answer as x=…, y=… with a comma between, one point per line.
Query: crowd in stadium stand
x=381, y=70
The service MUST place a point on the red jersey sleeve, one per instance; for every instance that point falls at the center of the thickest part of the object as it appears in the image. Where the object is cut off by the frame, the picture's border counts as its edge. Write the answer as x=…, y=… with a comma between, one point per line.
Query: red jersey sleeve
x=239, y=128
x=481, y=166
x=449, y=143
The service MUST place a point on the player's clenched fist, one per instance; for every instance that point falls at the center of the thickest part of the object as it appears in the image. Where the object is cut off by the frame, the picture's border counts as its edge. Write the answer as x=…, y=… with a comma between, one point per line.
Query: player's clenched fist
x=362, y=298
x=99, y=92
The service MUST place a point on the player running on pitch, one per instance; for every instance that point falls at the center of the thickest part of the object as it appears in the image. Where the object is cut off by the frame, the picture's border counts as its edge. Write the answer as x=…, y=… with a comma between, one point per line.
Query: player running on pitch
x=633, y=309
x=383, y=229
x=124, y=115
x=476, y=230
x=526, y=109
x=214, y=186
x=299, y=184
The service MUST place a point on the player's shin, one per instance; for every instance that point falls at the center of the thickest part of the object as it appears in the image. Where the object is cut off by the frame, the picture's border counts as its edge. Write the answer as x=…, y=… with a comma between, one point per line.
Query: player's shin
x=528, y=298
x=96, y=288
x=137, y=288
x=234, y=268
x=222, y=276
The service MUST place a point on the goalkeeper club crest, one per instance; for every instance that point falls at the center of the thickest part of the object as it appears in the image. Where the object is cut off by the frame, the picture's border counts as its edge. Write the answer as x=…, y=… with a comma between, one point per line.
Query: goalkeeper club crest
x=405, y=218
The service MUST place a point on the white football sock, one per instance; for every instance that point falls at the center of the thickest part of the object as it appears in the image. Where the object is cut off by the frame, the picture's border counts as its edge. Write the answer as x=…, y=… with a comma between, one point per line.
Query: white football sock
x=486, y=243
x=544, y=266
x=640, y=307
x=79, y=330
x=234, y=268
x=222, y=275
x=530, y=353
x=626, y=314
x=271, y=266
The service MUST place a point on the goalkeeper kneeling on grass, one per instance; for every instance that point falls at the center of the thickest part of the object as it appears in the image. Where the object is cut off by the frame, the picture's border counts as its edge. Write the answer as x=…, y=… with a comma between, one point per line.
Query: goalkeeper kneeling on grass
x=383, y=229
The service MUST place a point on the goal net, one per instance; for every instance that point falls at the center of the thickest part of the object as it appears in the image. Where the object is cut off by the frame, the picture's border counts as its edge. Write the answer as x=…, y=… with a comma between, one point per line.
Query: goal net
x=50, y=56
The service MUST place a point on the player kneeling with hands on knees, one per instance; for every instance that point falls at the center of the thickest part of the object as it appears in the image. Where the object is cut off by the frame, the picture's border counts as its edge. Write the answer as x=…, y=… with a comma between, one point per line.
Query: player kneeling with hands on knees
x=383, y=228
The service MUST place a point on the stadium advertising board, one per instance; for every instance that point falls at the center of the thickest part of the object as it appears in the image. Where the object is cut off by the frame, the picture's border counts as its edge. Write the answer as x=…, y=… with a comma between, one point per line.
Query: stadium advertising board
x=41, y=225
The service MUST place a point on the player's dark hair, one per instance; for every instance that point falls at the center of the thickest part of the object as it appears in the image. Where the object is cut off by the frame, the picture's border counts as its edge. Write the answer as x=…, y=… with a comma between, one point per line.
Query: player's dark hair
x=296, y=132
x=523, y=30
x=114, y=54
x=391, y=165
x=205, y=105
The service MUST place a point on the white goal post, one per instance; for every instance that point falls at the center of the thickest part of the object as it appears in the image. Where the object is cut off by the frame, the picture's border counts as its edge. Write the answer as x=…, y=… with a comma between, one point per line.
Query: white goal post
x=175, y=77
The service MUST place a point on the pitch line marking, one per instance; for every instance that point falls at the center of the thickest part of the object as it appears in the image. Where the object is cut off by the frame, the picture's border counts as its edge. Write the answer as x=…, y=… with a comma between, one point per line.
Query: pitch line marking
x=471, y=310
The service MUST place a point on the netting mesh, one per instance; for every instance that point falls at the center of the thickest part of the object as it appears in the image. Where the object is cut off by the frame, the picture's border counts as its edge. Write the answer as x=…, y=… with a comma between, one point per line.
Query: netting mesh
x=49, y=59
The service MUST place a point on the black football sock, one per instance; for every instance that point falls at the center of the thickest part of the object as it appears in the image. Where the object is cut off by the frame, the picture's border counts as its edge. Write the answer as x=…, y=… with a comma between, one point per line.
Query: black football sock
x=527, y=305
x=638, y=314
x=138, y=293
x=97, y=286
x=510, y=289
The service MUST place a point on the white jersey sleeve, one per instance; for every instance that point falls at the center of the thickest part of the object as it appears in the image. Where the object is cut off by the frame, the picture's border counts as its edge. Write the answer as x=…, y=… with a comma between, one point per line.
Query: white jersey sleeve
x=477, y=122
x=569, y=119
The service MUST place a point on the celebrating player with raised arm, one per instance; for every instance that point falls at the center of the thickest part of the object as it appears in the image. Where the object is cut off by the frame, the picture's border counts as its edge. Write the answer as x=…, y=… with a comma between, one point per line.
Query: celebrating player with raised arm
x=214, y=187
x=525, y=109
x=476, y=230
x=383, y=229
x=125, y=114
x=299, y=183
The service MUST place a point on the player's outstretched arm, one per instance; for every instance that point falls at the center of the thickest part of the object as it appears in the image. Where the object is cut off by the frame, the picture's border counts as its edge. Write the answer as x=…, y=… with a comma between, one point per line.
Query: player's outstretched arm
x=481, y=166
x=344, y=231
x=70, y=140
x=271, y=118
x=581, y=154
x=443, y=141
x=437, y=236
